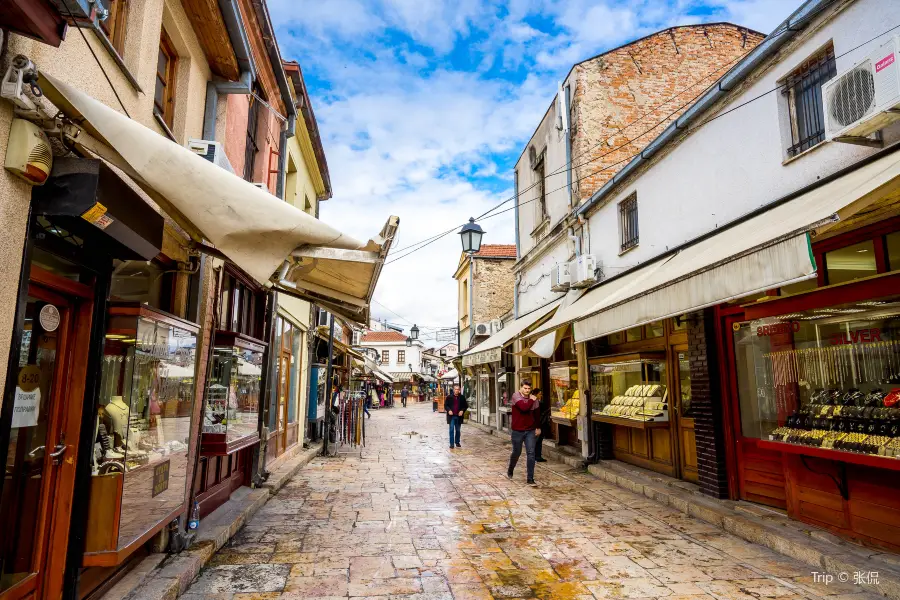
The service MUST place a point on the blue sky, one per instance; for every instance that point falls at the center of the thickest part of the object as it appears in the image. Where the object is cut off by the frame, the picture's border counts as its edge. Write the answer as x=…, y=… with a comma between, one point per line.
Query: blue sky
x=425, y=105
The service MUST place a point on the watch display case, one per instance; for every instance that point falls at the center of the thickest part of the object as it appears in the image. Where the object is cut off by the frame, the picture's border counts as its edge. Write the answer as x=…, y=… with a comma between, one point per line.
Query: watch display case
x=231, y=416
x=142, y=429
x=827, y=379
x=565, y=398
x=630, y=391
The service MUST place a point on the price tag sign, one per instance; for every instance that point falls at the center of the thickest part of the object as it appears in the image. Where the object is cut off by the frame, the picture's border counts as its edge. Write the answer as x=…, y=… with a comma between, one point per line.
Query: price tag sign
x=27, y=401
x=160, y=478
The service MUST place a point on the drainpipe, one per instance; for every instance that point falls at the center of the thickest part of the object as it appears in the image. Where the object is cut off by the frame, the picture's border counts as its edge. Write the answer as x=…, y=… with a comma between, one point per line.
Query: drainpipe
x=516, y=212
x=287, y=131
x=244, y=85
x=564, y=93
x=471, y=299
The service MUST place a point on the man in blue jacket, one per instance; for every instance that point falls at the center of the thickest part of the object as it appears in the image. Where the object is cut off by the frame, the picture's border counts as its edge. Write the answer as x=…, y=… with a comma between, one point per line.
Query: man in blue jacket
x=456, y=406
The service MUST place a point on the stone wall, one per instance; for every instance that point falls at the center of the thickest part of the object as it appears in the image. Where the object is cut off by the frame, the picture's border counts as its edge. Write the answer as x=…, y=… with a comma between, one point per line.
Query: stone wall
x=492, y=289
x=621, y=95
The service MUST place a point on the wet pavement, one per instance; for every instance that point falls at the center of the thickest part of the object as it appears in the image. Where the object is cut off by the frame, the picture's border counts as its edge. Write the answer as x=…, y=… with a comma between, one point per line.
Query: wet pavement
x=405, y=517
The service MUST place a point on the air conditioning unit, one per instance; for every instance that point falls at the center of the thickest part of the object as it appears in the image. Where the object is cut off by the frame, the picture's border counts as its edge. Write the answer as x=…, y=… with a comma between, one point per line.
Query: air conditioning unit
x=866, y=97
x=584, y=271
x=560, y=280
x=496, y=325
x=482, y=329
x=214, y=152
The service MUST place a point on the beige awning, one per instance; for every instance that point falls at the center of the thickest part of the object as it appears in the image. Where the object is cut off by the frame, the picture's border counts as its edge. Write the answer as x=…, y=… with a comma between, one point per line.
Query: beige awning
x=271, y=240
x=769, y=250
x=489, y=350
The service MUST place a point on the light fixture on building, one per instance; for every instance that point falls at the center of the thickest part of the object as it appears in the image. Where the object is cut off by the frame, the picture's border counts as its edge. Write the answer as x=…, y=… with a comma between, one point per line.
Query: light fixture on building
x=408, y=342
x=414, y=332
x=471, y=234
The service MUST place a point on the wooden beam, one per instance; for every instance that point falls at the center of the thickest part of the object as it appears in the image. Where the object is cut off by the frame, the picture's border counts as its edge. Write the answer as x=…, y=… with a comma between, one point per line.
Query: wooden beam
x=209, y=25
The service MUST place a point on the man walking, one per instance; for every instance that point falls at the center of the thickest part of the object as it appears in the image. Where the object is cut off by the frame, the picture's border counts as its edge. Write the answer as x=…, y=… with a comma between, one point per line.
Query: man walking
x=404, y=394
x=526, y=414
x=456, y=406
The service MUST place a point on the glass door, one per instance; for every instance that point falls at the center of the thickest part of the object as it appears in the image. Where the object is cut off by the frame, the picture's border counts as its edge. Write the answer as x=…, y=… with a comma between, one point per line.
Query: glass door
x=687, y=440
x=38, y=478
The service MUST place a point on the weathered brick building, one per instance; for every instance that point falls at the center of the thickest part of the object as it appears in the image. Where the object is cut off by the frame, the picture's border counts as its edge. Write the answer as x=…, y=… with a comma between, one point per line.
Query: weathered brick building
x=485, y=284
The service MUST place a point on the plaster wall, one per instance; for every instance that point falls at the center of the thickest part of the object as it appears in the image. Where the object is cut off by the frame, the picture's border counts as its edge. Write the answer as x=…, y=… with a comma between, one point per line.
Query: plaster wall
x=413, y=356
x=534, y=285
x=737, y=163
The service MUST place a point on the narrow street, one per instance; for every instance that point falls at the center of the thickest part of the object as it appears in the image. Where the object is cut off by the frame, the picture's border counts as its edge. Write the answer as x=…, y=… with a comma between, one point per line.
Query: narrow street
x=407, y=518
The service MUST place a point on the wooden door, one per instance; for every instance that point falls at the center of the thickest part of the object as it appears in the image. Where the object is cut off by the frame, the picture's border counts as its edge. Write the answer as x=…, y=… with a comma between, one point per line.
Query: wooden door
x=284, y=395
x=35, y=506
x=684, y=421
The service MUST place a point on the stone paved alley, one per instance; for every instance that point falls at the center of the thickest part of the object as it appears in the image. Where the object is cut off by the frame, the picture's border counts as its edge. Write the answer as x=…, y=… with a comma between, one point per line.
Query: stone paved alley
x=407, y=518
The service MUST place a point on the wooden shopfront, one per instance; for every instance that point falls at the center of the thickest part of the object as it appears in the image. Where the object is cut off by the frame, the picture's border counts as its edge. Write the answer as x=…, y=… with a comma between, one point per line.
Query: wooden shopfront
x=640, y=398
x=813, y=390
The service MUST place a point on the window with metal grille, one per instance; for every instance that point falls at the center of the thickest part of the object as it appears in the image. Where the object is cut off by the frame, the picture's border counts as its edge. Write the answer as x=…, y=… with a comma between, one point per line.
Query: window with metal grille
x=803, y=90
x=628, y=222
x=252, y=147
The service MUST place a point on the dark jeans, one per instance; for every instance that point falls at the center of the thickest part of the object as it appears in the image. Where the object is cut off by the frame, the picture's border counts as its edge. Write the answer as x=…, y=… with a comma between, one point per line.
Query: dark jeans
x=517, y=438
x=539, y=444
x=455, y=424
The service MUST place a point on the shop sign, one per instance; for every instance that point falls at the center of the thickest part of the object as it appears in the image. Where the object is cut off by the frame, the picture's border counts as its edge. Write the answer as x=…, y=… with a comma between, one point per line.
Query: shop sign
x=160, y=478
x=860, y=336
x=777, y=328
x=27, y=401
x=49, y=318
x=485, y=356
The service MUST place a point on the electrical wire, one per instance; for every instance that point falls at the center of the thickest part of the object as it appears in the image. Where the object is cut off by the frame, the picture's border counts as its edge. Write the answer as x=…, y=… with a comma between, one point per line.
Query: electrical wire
x=435, y=238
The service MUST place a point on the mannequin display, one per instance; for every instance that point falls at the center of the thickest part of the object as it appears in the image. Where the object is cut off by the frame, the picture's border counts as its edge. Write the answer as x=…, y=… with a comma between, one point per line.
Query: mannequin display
x=117, y=415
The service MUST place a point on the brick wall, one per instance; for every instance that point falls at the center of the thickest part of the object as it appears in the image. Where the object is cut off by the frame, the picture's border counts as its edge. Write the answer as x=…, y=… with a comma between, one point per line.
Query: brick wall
x=492, y=289
x=706, y=404
x=617, y=95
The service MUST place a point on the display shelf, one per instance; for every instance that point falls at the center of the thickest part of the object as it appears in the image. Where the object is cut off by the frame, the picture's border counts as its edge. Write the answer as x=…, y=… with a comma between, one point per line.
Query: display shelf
x=868, y=460
x=563, y=421
x=629, y=422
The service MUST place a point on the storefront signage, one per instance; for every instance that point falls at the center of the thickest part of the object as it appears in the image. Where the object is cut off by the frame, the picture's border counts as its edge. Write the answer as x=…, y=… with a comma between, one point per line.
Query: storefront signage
x=49, y=318
x=778, y=328
x=479, y=358
x=160, y=478
x=860, y=336
x=27, y=401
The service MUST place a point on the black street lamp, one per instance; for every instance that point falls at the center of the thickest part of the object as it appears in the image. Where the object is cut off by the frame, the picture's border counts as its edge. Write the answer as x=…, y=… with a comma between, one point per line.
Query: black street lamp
x=471, y=234
x=414, y=332
x=408, y=342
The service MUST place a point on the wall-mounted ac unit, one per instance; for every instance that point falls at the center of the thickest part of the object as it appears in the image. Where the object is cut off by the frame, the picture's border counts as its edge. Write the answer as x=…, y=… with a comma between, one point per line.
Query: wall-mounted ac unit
x=583, y=271
x=866, y=97
x=482, y=329
x=496, y=325
x=214, y=152
x=560, y=280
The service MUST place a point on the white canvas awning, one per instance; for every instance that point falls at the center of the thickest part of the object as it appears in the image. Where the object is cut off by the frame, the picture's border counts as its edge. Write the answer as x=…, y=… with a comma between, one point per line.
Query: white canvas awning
x=271, y=240
x=769, y=250
x=450, y=375
x=489, y=349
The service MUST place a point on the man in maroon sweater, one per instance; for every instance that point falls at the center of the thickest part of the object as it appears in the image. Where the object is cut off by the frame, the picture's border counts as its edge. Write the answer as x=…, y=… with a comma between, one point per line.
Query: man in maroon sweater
x=526, y=415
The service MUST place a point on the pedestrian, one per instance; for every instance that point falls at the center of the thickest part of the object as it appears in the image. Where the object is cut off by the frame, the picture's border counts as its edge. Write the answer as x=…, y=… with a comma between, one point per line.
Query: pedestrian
x=404, y=394
x=525, y=420
x=456, y=406
x=544, y=425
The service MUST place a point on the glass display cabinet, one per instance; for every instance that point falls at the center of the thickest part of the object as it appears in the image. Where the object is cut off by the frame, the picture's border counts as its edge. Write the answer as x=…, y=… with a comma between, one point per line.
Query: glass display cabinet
x=231, y=417
x=630, y=391
x=142, y=430
x=565, y=400
x=506, y=382
x=824, y=382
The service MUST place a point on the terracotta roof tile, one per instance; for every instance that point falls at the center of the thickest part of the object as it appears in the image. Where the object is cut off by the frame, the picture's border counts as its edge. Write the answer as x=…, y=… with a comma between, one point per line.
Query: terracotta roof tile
x=383, y=336
x=497, y=251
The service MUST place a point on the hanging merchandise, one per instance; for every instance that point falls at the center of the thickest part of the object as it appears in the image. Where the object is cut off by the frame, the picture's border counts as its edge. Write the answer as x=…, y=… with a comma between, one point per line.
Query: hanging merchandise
x=351, y=418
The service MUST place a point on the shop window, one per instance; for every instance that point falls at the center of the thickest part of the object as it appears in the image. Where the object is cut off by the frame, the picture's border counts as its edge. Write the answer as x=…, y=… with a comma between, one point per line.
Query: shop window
x=114, y=25
x=565, y=397
x=850, y=262
x=823, y=378
x=628, y=223
x=401, y=357
x=232, y=397
x=617, y=338
x=635, y=334
x=679, y=323
x=164, y=95
x=633, y=390
x=242, y=307
x=385, y=357
x=803, y=91
x=893, y=250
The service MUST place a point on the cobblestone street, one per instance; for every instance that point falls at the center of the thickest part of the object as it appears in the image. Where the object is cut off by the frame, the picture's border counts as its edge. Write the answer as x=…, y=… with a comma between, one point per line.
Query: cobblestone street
x=405, y=517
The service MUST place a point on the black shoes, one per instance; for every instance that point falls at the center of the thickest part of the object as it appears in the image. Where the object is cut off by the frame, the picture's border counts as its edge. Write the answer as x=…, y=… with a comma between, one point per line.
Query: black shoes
x=531, y=482
x=509, y=475
x=458, y=446
x=540, y=460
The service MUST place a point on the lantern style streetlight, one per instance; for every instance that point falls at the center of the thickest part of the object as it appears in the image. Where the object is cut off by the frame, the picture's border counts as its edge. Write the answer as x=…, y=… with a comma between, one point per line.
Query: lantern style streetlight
x=471, y=234
x=408, y=342
x=414, y=332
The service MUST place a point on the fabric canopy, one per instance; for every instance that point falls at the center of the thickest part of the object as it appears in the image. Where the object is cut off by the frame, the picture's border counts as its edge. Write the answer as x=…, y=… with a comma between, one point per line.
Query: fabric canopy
x=489, y=349
x=382, y=376
x=254, y=229
x=450, y=375
x=768, y=250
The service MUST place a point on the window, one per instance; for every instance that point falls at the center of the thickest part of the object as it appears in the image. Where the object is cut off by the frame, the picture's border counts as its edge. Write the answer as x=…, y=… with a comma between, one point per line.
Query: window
x=251, y=148
x=540, y=190
x=164, y=96
x=401, y=357
x=628, y=222
x=893, y=250
x=114, y=25
x=464, y=299
x=851, y=262
x=803, y=90
x=385, y=357
x=241, y=307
